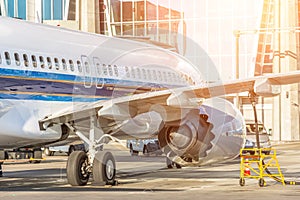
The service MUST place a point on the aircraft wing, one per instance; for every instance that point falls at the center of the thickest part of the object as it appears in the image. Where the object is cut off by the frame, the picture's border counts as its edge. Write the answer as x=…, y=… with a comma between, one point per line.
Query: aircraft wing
x=168, y=103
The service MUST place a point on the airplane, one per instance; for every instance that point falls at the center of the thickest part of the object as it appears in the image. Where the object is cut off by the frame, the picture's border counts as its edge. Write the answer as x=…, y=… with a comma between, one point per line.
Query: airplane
x=57, y=83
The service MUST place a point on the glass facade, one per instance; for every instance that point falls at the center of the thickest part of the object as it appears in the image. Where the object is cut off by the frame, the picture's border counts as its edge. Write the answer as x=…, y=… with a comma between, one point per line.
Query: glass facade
x=53, y=9
x=141, y=18
x=191, y=26
x=16, y=8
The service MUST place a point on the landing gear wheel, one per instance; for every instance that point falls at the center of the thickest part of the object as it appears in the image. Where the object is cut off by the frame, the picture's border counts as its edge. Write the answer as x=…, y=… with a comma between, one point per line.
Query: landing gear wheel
x=261, y=182
x=71, y=149
x=145, y=151
x=133, y=152
x=171, y=164
x=104, y=168
x=47, y=152
x=242, y=182
x=77, y=173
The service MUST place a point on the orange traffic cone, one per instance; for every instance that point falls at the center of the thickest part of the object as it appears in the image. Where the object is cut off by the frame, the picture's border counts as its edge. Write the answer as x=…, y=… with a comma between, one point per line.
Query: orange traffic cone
x=246, y=169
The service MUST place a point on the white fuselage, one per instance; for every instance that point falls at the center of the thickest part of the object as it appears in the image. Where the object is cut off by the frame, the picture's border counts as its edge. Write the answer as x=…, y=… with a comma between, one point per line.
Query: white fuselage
x=44, y=69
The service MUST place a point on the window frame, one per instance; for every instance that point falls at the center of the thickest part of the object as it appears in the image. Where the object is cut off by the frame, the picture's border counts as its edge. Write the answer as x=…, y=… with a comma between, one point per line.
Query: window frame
x=42, y=62
x=64, y=64
x=56, y=63
x=49, y=62
x=71, y=65
x=34, y=61
x=79, y=66
x=17, y=59
x=7, y=58
x=26, y=60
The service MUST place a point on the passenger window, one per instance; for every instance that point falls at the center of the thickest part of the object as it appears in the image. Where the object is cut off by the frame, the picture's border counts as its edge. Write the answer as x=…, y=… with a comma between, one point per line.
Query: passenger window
x=64, y=64
x=144, y=74
x=25, y=58
x=71, y=65
x=165, y=76
x=33, y=59
x=98, y=67
x=42, y=63
x=56, y=62
x=79, y=66
x=116, y=70
x=49, y=62
x=87, y=67
x=133, y=73
x=154, y=75
x=127, y=72
x=104, y=69
x=110, y=71
x=7, y=58
x=17, y=59
x=170, y=77
x=138, y=73
x=174, y=77
x=159, y=76
x=149, y=74
x=0, y=59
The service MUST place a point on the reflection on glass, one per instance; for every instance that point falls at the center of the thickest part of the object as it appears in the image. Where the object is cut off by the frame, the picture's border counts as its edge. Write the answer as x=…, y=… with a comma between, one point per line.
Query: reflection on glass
x=127, y=29
x=139, y=11
x=127, y=11
x=151, y=11
x=163, y=12
x=115, y=8
x=139, y=29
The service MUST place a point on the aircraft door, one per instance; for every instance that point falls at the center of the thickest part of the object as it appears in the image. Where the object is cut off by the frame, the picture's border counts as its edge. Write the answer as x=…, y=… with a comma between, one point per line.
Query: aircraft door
x=87, y=69
x=99, y=73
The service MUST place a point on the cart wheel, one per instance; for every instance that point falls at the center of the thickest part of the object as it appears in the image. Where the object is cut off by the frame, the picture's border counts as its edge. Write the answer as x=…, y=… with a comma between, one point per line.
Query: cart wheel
x=261, y=182
x=242, y=181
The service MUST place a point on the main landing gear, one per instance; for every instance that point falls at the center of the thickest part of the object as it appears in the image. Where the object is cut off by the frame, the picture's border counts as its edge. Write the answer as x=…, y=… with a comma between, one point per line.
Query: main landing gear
x=97, y=163
x=103, y=168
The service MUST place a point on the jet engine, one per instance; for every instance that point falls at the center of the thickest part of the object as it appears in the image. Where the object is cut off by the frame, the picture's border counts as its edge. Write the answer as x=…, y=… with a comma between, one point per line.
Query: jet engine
x=214, y=132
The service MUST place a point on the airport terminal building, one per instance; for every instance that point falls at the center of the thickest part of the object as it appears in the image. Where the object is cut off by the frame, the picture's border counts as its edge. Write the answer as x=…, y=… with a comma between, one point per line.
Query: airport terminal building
x=226, y=40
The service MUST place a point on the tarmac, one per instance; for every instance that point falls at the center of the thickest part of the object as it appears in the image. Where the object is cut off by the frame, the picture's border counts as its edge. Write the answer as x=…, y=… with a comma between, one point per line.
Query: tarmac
x=146, y=177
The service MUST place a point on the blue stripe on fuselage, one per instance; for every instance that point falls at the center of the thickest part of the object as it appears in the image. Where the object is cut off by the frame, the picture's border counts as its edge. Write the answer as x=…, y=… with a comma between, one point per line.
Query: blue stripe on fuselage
x=37, y=85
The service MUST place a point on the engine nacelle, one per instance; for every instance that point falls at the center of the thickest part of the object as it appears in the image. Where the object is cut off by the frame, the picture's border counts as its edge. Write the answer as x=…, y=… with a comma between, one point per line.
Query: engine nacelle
x=213, y=133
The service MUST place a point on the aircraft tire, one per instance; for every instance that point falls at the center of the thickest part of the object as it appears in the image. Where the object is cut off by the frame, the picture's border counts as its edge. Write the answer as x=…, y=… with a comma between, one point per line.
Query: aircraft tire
x=77, y=164
x=47, y=152
x=104, y=168
x=145, y=151
x=171, y=164
x=71, y=149
x=133, y=152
